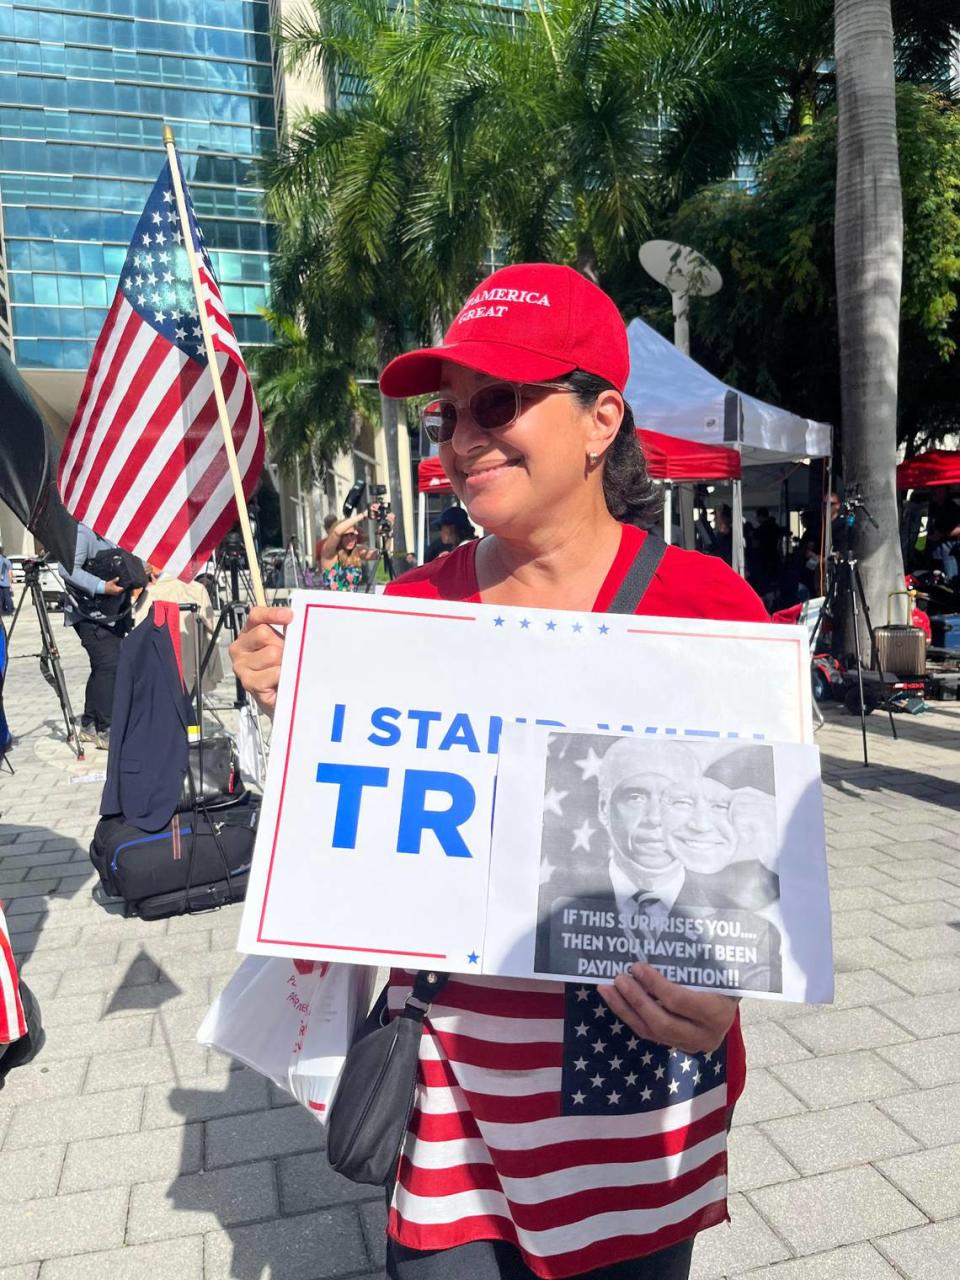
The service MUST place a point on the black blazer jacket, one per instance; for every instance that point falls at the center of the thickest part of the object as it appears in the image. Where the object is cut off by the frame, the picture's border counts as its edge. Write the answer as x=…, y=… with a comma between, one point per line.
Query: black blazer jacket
x=148, y=732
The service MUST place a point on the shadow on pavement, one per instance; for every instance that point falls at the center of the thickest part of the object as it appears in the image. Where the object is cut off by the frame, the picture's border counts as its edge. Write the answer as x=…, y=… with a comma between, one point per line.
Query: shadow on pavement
x=33, y=877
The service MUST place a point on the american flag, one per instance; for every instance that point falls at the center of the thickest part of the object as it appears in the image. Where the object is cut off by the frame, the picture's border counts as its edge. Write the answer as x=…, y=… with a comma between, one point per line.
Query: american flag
x=12, y=1022
x=144, y=464
x=543, y=1120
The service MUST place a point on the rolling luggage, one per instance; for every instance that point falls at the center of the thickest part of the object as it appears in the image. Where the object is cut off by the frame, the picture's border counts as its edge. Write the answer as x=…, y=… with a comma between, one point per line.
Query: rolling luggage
x=901, y=649
x=198, y=861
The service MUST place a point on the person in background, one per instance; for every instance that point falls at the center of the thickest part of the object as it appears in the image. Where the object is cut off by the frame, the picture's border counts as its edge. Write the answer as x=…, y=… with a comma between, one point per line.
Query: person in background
x=766, y=541
x=341, y=557
x=455, y=527
x=722, y=545
x=100, y=632
x=6, y=585
x=943, y=530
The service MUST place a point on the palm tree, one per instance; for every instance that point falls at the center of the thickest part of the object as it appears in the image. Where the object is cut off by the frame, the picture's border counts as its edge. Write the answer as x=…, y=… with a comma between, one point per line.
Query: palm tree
x=312, y=405
x=572, y=127
x=869, y=254
x=344, y=191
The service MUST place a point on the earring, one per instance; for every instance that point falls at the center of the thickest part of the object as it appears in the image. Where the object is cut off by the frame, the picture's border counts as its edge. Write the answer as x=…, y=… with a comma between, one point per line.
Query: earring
x=593, y=458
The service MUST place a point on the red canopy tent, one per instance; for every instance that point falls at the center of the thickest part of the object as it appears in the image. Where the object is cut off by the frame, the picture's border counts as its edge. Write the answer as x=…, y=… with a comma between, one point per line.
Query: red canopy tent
x=431, y=477
x=668, y=458
x=938, y=467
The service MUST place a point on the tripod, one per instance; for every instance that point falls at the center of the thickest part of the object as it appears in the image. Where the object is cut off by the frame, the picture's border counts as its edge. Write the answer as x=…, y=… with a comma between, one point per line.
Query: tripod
x=49, y=654
x=383, y=557
x=846, y=585
x=232, y=614
x=291, y=557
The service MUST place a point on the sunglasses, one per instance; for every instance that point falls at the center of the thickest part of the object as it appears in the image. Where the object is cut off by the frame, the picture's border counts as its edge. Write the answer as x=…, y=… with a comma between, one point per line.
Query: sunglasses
x=493, y=407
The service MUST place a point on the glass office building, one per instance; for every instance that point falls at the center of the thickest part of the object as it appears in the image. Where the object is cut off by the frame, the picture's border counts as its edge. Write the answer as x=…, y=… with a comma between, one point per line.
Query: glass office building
x=84, y=92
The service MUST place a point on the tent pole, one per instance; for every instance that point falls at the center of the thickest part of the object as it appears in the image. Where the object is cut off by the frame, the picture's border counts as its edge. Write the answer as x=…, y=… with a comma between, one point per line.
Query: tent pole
x=421, y=526
x=737, y=521
x=826, y=531
x=667, y=512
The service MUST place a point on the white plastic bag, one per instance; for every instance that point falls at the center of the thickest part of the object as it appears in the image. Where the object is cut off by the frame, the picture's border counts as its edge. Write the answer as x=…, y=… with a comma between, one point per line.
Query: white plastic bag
x=292, y=1021
x=337, y=1007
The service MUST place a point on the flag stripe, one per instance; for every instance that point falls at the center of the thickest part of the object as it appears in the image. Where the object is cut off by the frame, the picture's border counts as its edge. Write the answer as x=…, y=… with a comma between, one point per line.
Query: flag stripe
x=145, y=463
x=187, y=396
x=12, y=1022
x=611, y=1248
x=599, y=1187
x=193, y=442
x=132, y=339
x=119, y=465
x=102, y=358
x=541, y=1120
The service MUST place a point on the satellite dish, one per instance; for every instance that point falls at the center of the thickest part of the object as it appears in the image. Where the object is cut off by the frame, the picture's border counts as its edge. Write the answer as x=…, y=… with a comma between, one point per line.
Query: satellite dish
x=680, y=269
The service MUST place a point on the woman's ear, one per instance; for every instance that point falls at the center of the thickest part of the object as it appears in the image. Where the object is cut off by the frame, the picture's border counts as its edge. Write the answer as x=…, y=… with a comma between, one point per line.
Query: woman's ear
x=606, y=417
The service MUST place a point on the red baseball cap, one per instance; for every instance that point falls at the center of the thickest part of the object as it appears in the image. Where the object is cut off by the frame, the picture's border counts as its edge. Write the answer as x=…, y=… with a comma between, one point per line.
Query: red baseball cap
x=527, y=323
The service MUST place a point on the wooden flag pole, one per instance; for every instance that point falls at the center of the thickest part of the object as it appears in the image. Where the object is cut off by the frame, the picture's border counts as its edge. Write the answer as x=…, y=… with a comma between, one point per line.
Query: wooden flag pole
x=228, y=444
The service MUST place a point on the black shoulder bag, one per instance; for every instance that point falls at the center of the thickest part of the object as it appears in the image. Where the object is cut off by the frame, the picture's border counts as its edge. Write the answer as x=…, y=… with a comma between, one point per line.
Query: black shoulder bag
x=371, y=1108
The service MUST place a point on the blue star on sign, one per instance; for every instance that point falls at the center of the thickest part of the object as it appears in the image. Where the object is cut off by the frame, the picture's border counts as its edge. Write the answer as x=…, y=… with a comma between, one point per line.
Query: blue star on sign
x=551, y=625
x=498, y=622
x=473, y=958
x=578, y=627
x=524, y=624
x=603, y=629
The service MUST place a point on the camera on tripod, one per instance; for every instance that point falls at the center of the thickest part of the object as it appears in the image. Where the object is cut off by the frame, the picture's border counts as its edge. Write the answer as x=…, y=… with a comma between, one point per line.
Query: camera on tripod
x=31, y=569
x=380, y=510
x=853, y=505
x=232, y=551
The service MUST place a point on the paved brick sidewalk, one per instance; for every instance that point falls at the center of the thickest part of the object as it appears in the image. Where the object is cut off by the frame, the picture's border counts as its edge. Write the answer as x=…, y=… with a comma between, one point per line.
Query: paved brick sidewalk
x=126, y=1149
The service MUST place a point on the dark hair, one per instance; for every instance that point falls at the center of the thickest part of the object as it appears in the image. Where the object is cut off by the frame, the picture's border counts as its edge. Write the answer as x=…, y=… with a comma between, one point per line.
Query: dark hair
x=631, y=495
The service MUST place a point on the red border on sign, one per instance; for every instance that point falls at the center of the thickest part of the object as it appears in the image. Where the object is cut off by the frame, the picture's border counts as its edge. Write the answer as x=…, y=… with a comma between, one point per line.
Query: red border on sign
x=336, y=946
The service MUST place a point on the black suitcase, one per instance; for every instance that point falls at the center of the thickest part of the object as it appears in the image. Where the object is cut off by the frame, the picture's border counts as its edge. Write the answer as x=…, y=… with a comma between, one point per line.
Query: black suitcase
x=197, y=862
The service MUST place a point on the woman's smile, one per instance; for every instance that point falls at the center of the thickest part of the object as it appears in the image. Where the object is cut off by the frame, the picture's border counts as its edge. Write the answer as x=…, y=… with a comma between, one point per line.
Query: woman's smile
x=483, y=474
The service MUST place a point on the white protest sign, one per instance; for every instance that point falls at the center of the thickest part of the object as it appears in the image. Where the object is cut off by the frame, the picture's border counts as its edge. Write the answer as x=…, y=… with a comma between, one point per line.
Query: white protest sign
x=374, y=836
x=703, y=858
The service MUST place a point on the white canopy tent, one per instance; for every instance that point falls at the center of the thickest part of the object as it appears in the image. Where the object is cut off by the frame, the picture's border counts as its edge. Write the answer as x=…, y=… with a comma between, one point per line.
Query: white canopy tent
x=670, y=392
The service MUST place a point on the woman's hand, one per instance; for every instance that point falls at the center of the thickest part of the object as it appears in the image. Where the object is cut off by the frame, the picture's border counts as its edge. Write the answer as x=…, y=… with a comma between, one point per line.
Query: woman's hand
x=256, y=654
x=659, y=1010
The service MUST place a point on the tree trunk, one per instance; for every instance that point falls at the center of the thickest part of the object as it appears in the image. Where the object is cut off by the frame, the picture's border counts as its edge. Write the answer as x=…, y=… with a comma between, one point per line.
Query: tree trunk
x=869, y=252
x=386, y=350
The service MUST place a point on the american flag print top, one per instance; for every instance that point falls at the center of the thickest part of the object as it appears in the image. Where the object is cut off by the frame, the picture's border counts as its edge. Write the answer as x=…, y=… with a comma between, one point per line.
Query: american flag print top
x=144, y=463
x=13, y=1025
x=542, y=1120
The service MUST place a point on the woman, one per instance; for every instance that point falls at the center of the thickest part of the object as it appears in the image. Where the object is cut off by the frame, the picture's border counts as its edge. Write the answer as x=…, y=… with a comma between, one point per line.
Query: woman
x=539, y=446
x=341, y=556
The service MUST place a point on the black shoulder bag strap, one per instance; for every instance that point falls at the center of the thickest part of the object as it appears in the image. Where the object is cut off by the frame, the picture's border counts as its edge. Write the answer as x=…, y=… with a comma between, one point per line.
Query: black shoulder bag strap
x=629, y=594
x=639, y=576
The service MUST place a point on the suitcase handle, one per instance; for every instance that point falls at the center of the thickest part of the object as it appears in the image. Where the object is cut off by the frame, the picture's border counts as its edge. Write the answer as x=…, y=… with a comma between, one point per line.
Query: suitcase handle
x=909, y=595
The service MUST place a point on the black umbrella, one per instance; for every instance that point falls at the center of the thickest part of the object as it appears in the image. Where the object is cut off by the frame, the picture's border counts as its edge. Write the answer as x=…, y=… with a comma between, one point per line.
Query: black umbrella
x=28, y=468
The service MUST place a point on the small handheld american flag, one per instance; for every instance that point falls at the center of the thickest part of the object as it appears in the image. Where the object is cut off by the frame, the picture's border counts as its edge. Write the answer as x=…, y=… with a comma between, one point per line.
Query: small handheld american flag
x=145, y=462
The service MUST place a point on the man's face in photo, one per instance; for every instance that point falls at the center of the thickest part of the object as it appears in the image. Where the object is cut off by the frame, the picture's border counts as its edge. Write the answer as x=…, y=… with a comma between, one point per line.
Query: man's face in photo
x=635, y=821
x=697, y=826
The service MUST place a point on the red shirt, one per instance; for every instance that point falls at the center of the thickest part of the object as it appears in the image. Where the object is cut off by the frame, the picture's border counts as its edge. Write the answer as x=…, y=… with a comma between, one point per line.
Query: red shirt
x=489, y=1154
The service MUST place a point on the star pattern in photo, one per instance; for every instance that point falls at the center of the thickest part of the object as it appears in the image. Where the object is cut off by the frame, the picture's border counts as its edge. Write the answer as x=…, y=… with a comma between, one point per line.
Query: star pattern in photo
x=574, y=844
x=609, y=1070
